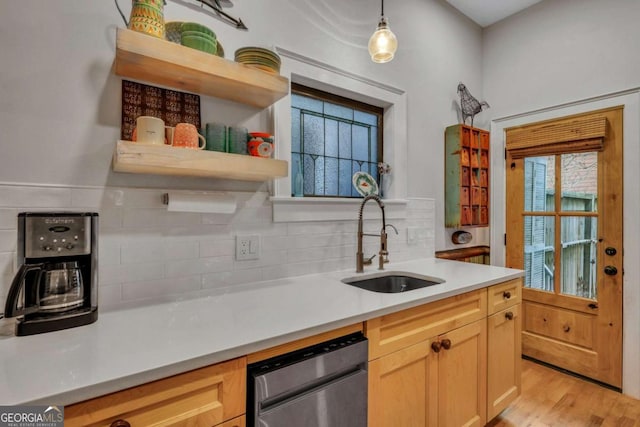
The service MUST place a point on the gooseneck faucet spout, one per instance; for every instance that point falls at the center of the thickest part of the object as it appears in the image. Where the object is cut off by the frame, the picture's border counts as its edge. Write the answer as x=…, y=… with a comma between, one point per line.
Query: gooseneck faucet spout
x=360, y=260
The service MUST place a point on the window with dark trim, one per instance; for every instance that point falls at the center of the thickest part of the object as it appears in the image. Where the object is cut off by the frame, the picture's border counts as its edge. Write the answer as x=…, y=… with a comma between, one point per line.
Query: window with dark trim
x=332, y=138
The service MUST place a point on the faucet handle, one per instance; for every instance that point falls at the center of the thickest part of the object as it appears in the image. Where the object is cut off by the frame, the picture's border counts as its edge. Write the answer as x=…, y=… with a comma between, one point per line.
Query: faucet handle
x=368, y=261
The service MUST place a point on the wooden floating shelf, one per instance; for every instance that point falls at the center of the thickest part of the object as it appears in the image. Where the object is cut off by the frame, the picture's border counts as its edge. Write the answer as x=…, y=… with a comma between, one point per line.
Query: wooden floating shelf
x=147, y=58
x=166, y=160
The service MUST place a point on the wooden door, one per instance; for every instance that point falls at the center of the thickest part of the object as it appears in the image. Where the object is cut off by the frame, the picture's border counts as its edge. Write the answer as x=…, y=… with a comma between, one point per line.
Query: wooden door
x=504, y=359
x=564, y=228
x=462, y=376
x=402, y=388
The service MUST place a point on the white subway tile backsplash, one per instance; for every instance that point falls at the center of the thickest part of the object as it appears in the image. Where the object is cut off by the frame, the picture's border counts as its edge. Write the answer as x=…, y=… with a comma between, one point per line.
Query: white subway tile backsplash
x=108, y=251
x=230, y=278
x=92, y=198
x=300, y=269
x=35, y=197
x=311, y=254
x=6, y=263
x=126, y=273
x=321, y=227
x=198, y=266
x=158, y=249
x=157, y=288
x=217, y=247
x=8, y=240
x=147, y=252
x=5, y=284
x=8, y=219
x=266, y=258
x=109, y=296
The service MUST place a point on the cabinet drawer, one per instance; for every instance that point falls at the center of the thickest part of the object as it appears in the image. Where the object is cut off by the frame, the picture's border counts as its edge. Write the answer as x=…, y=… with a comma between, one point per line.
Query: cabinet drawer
x=399, y=330
x=464, y=195
x=206, y=396
x=505, y=295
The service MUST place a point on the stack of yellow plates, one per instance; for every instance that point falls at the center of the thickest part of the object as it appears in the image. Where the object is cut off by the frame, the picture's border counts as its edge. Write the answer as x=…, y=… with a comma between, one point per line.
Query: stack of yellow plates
x=258, y=57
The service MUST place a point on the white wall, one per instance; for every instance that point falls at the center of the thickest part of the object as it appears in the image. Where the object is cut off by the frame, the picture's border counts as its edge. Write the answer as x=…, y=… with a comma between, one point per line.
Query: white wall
x=60, y=117
x=560, y=51
x=559, y=58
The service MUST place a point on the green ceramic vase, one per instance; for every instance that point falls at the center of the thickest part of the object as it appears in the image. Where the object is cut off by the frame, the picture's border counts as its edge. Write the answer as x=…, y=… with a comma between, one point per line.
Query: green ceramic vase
x=147, y=16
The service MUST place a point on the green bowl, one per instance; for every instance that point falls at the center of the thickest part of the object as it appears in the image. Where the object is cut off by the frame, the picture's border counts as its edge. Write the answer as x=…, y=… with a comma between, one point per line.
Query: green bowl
x=199, y=34
x=194, y=26
x=199, y=43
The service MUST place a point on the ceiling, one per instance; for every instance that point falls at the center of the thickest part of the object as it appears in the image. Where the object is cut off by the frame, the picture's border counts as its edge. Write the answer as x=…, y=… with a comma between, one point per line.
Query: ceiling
x=487, y=12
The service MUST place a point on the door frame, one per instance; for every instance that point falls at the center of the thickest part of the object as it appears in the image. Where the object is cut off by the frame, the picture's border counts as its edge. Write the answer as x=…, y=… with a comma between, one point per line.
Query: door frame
x=631, y=193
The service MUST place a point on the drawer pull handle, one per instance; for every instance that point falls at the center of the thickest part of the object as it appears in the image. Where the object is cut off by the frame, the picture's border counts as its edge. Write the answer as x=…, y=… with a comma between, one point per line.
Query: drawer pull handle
x=446, y=344
x=120, y=423
x=566, y=328
x=506, y=295
x=435, y=346
x=509, y=315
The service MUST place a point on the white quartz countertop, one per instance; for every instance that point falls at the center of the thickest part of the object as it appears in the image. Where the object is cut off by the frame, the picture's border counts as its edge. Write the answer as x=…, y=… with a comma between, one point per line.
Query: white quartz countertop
x=132, y=346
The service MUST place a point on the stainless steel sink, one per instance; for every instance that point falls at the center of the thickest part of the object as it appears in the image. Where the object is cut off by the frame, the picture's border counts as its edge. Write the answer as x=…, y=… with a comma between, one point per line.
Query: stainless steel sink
x=392, y=282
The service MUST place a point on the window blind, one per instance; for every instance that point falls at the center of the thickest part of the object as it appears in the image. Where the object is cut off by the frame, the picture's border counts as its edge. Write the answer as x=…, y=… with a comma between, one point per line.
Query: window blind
x=571, y=136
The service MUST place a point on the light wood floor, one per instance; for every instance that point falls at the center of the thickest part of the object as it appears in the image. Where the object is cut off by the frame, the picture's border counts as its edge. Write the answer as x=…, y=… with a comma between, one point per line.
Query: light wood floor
x=552, y=398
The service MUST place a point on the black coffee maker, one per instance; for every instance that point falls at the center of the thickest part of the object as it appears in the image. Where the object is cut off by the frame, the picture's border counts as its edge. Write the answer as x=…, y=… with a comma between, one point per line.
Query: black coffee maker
x=56, y=286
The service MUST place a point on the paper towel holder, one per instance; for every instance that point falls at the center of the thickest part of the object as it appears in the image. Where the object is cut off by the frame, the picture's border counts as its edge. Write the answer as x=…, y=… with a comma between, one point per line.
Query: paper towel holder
x=200, y=202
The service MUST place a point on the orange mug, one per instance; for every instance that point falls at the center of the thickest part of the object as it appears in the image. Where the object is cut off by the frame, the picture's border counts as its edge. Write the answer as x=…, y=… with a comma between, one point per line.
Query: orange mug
x=186, y=135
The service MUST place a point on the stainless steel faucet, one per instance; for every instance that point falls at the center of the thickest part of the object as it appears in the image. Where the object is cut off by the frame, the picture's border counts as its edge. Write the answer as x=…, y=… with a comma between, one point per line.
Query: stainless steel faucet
x=383, y=254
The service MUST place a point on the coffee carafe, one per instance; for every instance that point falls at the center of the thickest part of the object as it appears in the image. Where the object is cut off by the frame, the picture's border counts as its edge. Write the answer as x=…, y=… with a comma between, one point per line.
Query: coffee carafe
x=56, y=284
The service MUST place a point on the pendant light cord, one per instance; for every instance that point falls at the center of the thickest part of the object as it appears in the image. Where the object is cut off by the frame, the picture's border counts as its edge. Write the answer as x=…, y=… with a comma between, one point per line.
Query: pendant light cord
x=382, y=8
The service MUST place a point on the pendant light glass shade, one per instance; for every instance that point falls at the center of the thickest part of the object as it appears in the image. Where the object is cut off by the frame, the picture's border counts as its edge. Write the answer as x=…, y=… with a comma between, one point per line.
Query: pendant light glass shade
x=383, y=43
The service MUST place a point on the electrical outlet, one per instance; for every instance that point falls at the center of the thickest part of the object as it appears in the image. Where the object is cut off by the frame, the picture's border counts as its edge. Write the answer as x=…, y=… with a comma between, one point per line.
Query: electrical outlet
x=247, y=247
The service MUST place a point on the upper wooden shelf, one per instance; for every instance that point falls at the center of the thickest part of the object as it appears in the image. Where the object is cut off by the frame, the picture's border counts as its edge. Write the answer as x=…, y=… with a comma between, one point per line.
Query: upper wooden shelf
x=158, y=61
x=167, y=160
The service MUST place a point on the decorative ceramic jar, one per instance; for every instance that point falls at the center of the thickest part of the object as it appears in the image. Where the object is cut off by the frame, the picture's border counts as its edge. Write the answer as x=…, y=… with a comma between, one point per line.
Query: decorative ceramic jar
x=147, y=16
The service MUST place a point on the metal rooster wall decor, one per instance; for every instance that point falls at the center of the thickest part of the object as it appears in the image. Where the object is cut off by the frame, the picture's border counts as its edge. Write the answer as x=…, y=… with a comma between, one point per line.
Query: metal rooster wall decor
x=469, y=105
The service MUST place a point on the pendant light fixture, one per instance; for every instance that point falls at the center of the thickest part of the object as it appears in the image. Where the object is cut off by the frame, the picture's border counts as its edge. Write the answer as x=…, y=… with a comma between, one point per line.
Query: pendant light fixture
x=383, y=43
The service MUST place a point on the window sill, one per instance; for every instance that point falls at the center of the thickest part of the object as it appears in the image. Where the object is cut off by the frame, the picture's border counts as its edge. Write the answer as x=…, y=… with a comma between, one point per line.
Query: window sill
x=300, y=209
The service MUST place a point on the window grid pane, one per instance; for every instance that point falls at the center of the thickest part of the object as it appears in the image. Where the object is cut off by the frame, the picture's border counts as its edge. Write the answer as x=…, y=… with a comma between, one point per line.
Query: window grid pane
x=332, y=145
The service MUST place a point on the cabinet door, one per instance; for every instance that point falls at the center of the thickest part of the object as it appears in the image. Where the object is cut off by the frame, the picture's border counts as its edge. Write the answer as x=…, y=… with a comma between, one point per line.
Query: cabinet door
x=203, y=397
x=403, y=388
x=462, y=376
x=236, y=422
x=504, y=360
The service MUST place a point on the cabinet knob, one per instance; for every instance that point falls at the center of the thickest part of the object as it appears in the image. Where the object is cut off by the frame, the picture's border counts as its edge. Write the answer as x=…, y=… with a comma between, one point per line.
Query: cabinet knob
x=506, y=295
x=509, y=315
x=446, y=343
x=610, y=270
x=435, y=346
x=120, y=423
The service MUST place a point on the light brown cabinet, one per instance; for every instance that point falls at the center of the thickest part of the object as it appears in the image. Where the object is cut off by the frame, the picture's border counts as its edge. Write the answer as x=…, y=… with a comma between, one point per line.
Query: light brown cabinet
x=466, y=176
x=504, y=347
x=403, y=387
x=462, y=376
x=437, y=364
x=440, y=364
x=210, y=396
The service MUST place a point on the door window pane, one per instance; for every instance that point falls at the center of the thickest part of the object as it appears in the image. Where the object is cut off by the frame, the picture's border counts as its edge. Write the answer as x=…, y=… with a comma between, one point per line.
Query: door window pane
x=579, y=260
x=539, y=252
x=539, y=184
x=579, y=182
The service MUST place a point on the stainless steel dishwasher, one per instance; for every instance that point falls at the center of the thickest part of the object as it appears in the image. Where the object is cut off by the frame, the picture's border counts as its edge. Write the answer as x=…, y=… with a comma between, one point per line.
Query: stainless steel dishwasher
x=324, y=385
